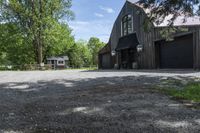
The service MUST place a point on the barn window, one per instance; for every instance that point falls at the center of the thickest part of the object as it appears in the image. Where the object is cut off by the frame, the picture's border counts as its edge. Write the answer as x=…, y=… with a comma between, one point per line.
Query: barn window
x=127, y=26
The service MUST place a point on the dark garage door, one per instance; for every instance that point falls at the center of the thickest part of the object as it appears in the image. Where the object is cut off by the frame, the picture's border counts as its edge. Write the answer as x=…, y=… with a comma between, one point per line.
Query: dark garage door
x=177, y=53
x=106, y=61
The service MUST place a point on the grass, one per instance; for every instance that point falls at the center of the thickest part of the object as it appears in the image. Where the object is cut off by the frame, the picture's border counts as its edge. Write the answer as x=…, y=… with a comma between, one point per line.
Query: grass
x=189, y=92
x=83, y=68
x=32, y=69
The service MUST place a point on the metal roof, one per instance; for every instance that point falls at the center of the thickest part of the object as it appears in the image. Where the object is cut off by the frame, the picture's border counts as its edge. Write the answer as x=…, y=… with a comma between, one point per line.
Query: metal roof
x=181, y=20
x=58, y=58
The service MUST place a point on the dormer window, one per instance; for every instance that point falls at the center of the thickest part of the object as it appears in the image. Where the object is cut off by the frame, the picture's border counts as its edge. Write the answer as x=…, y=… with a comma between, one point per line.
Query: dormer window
x=127, y=25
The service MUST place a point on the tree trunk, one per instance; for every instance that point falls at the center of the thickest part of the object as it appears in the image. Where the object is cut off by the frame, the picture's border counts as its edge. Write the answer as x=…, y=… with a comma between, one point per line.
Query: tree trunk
x=40, y=48
x=34, y=43
x=40, y=55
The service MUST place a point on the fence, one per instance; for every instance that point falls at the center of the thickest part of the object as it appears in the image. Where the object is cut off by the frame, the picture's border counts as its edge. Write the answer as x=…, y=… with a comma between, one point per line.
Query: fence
x=32, y=67
x=25, y=67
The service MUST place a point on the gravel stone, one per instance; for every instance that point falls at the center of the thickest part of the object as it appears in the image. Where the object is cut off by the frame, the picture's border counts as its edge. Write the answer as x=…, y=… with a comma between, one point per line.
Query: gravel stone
x=73, y=101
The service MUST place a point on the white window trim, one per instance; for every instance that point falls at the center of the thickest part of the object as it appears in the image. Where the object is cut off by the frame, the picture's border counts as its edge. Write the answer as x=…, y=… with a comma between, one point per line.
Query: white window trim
x=60, y=63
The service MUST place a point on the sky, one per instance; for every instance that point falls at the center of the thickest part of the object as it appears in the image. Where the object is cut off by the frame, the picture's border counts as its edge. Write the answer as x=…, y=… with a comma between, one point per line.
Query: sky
x=94, y=18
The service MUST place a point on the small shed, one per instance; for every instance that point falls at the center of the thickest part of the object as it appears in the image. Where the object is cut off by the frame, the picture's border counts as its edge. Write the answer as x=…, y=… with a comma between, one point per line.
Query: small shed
x=59, y=62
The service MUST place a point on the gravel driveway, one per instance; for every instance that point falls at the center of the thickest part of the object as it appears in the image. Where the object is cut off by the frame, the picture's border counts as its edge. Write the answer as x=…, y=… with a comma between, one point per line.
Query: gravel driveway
x=92, y=102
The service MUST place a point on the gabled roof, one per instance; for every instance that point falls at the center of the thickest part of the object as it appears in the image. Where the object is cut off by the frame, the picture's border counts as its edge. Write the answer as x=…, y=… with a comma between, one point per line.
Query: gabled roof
x=58, y=58
x=54, y=58
x=105, y=49
x=180, y=20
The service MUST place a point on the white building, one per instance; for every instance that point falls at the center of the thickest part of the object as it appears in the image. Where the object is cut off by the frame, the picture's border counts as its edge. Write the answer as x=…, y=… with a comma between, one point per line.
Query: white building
x=60, y=62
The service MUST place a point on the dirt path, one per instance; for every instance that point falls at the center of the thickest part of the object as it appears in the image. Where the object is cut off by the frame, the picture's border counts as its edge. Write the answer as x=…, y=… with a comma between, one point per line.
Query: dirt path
x=89, y=102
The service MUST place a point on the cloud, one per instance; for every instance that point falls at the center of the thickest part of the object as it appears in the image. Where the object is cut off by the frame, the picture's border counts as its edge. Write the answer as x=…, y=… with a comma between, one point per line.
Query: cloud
x=99, y=15
x=82, y=22
x=107, y=9
x=95, y=28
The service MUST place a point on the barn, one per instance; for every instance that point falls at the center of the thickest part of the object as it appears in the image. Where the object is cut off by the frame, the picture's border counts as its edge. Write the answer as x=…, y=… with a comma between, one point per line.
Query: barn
x=131, y=46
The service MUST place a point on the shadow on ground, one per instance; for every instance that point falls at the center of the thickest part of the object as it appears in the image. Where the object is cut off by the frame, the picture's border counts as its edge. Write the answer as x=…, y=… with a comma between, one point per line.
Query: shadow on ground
x=101, y=105
x=154, y=71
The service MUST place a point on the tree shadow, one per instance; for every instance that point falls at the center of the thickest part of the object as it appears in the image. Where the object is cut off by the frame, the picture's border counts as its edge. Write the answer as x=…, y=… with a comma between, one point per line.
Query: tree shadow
x=150, y=71
x=101, y=105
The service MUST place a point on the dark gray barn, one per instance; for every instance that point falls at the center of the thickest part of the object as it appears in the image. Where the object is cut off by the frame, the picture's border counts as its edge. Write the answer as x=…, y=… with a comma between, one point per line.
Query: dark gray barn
x=132, y=47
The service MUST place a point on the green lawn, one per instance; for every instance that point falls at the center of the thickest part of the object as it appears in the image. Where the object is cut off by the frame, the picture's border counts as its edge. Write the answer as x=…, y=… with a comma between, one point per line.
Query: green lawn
x=84, y=68
x=189, y=92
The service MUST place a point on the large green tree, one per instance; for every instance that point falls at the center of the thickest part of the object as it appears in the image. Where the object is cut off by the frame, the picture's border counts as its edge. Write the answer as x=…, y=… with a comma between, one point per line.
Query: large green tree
x=13, y=48
x=94, y=46
x=35, y=20
x=58, y=40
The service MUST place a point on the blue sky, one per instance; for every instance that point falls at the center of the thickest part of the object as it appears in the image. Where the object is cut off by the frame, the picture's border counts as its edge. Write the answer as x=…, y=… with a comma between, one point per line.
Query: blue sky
x=94, y=18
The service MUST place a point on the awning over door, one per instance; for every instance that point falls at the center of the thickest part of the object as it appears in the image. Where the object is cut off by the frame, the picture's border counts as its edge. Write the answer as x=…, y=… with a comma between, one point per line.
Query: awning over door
x=127, y=42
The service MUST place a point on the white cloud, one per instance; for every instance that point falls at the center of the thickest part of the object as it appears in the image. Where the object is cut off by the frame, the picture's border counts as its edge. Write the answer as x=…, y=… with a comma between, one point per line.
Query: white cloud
x=107, y=9
x=82, y=22
x=2, y=22
x=96, y=28
x=99, y=15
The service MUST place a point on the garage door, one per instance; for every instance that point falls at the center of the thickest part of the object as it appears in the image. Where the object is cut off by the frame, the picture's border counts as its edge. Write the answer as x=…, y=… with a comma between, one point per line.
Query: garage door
x=106, y=61
x=177, y=53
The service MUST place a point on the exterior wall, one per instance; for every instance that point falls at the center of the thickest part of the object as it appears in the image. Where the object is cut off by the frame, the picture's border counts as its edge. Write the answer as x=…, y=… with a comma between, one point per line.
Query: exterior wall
x=56, y=65
x=116, y=31
x=195, y=31
x=105, y=51
x=147, y=59
x=196, y=41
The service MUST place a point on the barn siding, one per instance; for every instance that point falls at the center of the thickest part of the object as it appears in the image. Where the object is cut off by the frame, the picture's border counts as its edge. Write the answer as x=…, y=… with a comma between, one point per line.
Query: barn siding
x=197, y=48
x=147, y=59
x=195, y=30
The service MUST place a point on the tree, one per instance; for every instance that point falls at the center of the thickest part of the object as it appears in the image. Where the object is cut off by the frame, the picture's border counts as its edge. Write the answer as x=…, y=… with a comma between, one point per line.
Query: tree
x=162, y=8
x=34, y=18
x=86, y=55
x=58, y=40
x=80, y=55
x=13, y=48
x=94, y=46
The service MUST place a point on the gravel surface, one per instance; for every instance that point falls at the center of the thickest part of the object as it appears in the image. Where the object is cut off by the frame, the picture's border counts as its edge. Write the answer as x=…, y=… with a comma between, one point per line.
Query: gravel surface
x=93, y=102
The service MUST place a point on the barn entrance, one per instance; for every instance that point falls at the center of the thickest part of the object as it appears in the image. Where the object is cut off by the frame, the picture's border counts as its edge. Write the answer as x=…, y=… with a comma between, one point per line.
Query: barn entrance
x=126, y=50
x=177, y=54
x=127, y=58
